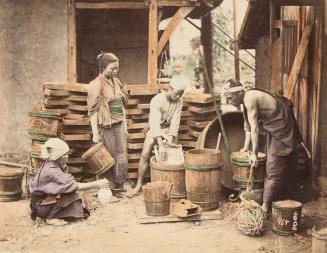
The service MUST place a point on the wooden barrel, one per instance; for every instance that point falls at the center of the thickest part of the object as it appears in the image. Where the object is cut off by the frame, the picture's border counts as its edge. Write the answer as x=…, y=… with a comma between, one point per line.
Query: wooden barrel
x=98, y=158
x=203, y=176
x=286, y=215
x=174, y=173
x=157, y=198
x=11, y=183
x=241, y=169
x=319, y=241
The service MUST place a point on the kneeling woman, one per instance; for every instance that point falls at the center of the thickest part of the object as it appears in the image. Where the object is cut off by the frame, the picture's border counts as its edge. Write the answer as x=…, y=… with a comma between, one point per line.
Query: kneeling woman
x=54, y=192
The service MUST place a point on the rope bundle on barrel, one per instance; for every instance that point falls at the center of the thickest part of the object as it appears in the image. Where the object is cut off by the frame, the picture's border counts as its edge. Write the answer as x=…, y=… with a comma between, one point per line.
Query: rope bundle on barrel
x=250, y=218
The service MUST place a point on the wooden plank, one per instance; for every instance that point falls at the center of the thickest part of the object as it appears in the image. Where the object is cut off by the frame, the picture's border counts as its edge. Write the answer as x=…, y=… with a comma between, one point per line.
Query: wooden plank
x=133, y=112
x=142, y=90
x=185, y=137
x=135, y=136
x=75, y=160
x=297, y=2
x=81, y=108
x=175, y=3
x=153, y=44
x=201, y=124
x=74, y=116
x=143, y=106
x=59, y=111
x=77, y=98
x=199, y=98
x=76, y=122
x=182, y=13
x=55, y=102
x=146, y=219
x=132, y=175
x=299, y=57
x=144, y=116
x=191, y=144
x=112, y=5
x=134, y=101
x=78, y=130
x=134, y=156
x=186, y=114
x=55, y=93
x=71, y=61
x=132, y=165
x=134, y=145
x=75, y=137
x=194, y=133
x=77, y=87
x=206, y=109
x=137, y=126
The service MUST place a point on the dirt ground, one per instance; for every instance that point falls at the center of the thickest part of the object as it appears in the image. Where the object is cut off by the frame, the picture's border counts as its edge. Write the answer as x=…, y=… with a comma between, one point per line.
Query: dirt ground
x=115, y=227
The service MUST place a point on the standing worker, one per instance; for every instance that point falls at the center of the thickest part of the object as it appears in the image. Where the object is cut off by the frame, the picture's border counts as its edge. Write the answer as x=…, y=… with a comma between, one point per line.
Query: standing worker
x=164, y=121
x=273, y=114
x=106, y=100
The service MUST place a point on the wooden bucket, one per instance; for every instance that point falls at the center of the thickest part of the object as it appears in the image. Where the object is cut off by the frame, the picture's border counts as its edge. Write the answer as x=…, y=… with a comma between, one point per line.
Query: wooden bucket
x=241, y=169
x=203, y=177
x=286, y=215
x=319, y=241
x=174, y=173
x=98, y=158
x=11, y=179
x=157, y=198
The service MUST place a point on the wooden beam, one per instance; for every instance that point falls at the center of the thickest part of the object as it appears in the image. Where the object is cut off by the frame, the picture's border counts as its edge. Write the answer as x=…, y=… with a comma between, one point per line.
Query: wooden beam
x=299, y=57
x=297, y=2
x=153, y=42
x=112, y=5
x=173, y=24
x=175, y=3
x=71, y=29
x=236, y=56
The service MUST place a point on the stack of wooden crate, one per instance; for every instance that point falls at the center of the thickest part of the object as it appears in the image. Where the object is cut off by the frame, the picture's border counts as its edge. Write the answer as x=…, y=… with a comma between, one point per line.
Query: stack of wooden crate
x=200, y=111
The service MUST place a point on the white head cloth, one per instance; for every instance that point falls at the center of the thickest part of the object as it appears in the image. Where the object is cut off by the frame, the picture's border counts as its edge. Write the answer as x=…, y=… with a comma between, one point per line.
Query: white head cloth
x=54, y=148
x=179, y=82
x=235, y=89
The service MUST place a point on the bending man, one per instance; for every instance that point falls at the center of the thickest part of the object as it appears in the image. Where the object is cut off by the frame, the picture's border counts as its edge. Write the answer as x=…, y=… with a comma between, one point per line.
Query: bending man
x=273, y=113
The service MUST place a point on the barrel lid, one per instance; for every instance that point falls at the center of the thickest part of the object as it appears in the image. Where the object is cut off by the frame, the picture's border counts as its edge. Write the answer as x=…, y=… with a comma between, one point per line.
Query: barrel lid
x=286, y=204
x=243, y=157
x=92, y=150
x=10, y=171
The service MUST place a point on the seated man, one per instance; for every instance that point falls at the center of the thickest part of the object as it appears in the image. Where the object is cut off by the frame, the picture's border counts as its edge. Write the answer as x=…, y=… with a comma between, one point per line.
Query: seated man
x=54, y=192
x=273, y=114
x=164, y=120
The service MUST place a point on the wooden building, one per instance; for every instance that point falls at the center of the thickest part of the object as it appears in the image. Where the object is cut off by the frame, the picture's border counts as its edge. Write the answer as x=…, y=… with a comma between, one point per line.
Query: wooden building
x=289, y=38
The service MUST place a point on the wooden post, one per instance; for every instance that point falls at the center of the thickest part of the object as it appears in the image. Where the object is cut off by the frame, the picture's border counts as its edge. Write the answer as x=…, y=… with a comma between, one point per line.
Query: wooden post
x=236, y=50
x=71, y=61
x=271, y=22
x=153, y=45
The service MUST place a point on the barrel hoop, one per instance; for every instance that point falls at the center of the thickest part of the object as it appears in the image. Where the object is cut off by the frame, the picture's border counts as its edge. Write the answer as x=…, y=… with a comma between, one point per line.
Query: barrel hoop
x=203, y=167
x=177, y=196
x=107, y=167
x=10, y=193
x=246, y=164
x=174, y=169
x=279, y=232
x=202, y=193
x=239, y=179
x=199, y=202
x=164, y=201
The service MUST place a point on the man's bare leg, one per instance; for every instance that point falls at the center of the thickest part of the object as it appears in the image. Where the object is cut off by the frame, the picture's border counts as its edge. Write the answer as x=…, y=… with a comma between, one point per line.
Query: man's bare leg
x=143, y=164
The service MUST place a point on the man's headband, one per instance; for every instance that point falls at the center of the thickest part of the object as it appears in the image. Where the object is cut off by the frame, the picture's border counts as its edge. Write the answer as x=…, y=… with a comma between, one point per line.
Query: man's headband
x=235, y=89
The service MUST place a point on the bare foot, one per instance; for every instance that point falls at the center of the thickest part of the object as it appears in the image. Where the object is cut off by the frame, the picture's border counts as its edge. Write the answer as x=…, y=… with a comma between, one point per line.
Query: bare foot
x=135, y=192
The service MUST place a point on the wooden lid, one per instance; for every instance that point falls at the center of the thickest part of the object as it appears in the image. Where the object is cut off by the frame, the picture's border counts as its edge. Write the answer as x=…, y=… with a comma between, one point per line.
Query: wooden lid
x=285, y=204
